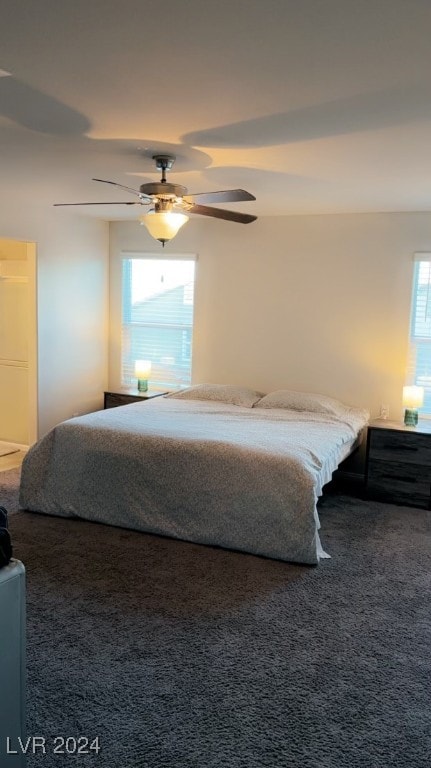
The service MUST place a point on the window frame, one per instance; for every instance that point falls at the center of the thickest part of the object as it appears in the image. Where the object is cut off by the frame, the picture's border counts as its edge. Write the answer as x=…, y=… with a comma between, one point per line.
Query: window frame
x=126, y=378
x=416, y=342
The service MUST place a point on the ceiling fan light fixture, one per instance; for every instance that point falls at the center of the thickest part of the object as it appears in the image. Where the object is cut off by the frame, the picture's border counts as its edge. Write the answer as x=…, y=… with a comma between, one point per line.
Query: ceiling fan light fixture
x=163, y=225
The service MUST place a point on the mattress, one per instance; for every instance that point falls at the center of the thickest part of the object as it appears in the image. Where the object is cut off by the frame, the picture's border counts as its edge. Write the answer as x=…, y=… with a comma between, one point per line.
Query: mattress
x=213, y=473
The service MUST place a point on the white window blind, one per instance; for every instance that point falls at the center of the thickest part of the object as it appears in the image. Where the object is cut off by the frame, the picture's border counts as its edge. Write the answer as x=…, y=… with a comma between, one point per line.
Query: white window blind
x=419, y=362
x=157, y=319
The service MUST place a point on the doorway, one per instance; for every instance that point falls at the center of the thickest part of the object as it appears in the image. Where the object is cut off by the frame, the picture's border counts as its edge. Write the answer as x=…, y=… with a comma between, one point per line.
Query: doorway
x=18, y=345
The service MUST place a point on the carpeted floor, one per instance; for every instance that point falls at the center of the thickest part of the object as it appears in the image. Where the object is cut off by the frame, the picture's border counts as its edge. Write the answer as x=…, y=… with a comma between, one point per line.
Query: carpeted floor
x=178, y=655
x=9, y=485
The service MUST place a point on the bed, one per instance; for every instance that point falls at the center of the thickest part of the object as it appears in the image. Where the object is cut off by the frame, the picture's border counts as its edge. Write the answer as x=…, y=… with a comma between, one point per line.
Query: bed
x=213, y=464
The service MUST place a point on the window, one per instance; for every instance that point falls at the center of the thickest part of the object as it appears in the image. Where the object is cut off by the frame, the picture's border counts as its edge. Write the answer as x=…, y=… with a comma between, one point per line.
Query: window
x=157, y=319
x=419, y=364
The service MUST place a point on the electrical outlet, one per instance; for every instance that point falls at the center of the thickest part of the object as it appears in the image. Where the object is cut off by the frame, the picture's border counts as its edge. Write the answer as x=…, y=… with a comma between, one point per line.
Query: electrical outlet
x=384, y=411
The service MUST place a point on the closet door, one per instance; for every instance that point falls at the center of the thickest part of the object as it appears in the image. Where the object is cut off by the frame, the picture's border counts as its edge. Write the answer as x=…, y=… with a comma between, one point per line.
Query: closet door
x=14, y=351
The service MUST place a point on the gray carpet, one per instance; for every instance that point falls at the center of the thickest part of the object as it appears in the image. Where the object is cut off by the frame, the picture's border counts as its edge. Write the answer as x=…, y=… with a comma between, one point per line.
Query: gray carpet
x=9, y=483
x=178, y=655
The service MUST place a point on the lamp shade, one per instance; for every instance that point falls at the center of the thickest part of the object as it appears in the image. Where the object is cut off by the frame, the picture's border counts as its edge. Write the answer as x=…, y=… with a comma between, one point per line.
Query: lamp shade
x=413, y=397
x=163, y=225
x=142, y=369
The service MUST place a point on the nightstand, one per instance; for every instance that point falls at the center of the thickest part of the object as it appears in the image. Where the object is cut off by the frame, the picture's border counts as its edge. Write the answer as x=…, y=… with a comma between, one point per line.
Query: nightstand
x=127, y=396
x=398, y=463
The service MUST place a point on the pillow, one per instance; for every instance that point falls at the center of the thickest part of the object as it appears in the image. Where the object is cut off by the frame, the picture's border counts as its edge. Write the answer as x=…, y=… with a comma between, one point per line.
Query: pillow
x=223, y=393
x=302, y=401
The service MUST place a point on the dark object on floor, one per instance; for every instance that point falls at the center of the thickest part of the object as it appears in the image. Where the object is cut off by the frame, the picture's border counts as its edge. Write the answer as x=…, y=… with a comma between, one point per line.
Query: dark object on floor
x=5, y=542
x=3, y=517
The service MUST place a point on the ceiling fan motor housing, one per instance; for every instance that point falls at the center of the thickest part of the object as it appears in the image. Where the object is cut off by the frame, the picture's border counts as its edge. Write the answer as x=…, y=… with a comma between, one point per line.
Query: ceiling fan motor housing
x=162, y=188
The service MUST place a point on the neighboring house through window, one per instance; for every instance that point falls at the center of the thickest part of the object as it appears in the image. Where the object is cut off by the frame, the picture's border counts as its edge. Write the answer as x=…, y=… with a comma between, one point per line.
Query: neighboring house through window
x=419, y=364
x=157, y=318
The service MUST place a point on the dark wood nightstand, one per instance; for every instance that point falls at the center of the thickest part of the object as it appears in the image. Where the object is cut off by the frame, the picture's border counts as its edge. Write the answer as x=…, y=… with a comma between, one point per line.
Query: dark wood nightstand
x=398, y=463
x=127, y=396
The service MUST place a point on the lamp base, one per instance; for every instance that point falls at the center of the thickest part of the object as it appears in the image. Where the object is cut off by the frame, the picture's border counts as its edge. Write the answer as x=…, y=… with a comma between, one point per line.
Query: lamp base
x=410, y=417
x=142, y=385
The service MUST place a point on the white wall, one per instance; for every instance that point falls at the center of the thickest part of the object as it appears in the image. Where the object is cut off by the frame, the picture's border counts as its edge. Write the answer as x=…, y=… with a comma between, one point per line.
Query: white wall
x=318, y=303
x=72, y=299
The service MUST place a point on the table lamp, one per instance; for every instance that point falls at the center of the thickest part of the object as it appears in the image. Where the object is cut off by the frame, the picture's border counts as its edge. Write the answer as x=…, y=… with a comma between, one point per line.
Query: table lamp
x=142, y=373
x=413, y=398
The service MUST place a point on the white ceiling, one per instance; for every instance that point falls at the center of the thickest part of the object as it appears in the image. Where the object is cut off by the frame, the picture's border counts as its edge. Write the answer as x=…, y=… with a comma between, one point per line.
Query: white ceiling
x=314, y=106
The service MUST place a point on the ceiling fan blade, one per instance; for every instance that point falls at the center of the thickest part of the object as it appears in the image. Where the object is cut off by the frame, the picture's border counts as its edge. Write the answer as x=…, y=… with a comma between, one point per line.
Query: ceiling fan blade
x=110, y=203
x=220, y=213
x=224, y=196
x=121, y=186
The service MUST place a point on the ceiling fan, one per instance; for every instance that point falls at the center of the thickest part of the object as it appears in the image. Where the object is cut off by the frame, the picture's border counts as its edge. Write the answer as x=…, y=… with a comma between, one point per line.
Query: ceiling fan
x=168, y=203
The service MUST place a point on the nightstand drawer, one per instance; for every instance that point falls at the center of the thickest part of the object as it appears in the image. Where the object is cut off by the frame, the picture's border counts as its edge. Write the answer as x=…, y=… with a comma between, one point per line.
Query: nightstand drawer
x=400, y=483
x=398, y=464
x=113, y=399
x=400, y=447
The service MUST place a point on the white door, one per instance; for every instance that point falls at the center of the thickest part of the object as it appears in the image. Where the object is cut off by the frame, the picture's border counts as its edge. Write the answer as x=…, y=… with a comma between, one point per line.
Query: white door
x=18, y=397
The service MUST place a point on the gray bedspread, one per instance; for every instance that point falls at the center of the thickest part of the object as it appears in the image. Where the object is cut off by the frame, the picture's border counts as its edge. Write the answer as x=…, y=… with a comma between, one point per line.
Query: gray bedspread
x=207, y=472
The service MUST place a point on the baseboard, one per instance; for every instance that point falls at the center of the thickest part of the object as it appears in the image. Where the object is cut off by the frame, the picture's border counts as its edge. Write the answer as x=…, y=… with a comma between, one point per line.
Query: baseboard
x=18, y=446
